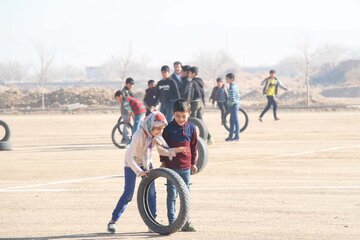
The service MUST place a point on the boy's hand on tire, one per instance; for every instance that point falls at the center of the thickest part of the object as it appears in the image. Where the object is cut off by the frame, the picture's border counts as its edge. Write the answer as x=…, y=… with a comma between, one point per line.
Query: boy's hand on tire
x=144, y=174
x=193, y=169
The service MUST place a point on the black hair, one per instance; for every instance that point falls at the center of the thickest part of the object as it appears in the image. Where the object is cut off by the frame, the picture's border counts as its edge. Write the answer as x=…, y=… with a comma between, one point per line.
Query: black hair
x=165, y=68
x=272, y=71
x=129, y=81
x=194, y=69
x=118, y=93
x=230, y=75
x=177, y=63
x=219, y=79
x=151, y=81
x=185, y=68
x=181, y=105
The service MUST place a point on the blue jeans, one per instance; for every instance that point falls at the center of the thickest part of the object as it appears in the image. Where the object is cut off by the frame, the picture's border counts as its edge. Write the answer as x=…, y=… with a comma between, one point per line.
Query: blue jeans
x=126, y=138
x=234, y=121
x=126, y=197
x=167, y=110
x=172, y=193
x=137, y=121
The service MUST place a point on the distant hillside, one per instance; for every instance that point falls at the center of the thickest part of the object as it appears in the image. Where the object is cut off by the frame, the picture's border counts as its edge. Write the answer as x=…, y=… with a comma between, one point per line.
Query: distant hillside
x=340, y=74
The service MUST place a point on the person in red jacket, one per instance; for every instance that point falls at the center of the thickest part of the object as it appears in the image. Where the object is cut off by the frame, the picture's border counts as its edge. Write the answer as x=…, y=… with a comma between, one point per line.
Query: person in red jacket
x=180, y=133
x=133, y=107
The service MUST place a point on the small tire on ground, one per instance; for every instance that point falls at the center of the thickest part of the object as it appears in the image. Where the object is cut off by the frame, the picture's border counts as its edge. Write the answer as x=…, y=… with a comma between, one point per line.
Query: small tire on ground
x=7, y=131
x=117, y=128
x=5, y=146
x=243, y=127
x=201, y=126
x=202, y=155
x=143, y=206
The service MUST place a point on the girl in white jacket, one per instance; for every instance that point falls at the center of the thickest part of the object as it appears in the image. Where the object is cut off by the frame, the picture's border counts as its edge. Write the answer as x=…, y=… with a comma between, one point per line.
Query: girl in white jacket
x=138, y=162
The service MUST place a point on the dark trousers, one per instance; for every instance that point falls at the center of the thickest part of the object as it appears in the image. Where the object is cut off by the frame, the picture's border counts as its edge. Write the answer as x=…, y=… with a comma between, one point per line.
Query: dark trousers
x=271, y=101
x=223, y=108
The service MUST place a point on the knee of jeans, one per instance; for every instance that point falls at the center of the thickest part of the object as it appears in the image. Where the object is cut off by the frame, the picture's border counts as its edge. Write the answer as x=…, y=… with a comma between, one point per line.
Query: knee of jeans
x=128, y=196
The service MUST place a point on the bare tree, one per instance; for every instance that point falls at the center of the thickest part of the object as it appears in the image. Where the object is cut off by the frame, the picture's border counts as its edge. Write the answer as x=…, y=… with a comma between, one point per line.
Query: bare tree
x=305, y=64
x=12, y=71
x=123, y=61
x=42, y=68
x=212, y=64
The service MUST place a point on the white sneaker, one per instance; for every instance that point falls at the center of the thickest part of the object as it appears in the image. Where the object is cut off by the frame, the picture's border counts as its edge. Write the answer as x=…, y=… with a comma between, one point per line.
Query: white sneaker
x=111, y=228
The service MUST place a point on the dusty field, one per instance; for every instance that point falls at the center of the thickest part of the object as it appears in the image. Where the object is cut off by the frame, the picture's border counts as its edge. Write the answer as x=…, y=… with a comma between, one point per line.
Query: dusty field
x=298, y=178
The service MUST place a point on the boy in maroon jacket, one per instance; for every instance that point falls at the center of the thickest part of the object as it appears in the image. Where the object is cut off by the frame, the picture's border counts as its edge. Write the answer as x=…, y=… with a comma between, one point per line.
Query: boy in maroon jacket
x=180, y=133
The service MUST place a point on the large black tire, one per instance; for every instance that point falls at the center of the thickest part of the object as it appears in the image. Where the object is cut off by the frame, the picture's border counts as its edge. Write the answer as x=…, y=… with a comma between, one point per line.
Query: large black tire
x=5, y=146
x=7, y=131
x=202, y=155
x=117, y=129
x=143, y=206
x=201, y=126
x=242, y=127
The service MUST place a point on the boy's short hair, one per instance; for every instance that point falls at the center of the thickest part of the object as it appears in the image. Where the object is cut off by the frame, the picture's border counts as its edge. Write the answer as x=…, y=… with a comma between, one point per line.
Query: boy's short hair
x=194, y=69
x=165, y=68
x=181, y=105
x=118, y=93
x=185, y=68
x=177, y=63
x=272, y=71
x=219, y=79
x=129, y=81
x=230, y=76
x=151, y=81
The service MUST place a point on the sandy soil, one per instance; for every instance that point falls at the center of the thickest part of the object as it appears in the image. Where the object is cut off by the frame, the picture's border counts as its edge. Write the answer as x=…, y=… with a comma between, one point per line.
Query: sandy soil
x=297, y=178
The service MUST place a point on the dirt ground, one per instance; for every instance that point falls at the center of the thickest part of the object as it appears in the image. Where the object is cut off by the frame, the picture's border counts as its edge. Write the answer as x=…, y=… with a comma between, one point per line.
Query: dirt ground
x=297, y=178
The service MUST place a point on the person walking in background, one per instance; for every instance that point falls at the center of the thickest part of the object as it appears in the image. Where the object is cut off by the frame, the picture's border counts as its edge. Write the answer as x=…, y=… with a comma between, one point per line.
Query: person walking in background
x=219, y=95
x=233, y=103
x=151, y=97
x=168, y=92
x=270, y=90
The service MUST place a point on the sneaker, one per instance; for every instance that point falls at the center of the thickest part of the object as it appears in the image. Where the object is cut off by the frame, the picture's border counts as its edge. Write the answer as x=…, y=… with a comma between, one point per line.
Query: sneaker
x=229, y=139
x=276, y=119
x=188, y=227
x=260, y=119
x=210, y=141
x=235, y=139
x=111, y=228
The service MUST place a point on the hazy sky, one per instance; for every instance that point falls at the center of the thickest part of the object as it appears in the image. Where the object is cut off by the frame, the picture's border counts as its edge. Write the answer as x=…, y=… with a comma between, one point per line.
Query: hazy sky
x=255, y=32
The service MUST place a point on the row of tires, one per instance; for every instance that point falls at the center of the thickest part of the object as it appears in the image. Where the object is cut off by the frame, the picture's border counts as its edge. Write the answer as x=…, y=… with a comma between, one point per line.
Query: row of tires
x=5, y=144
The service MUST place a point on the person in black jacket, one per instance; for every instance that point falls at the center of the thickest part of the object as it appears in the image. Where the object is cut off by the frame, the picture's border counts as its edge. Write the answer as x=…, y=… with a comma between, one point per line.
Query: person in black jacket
x=168, y=92
x=151, y=97
x=196, y=96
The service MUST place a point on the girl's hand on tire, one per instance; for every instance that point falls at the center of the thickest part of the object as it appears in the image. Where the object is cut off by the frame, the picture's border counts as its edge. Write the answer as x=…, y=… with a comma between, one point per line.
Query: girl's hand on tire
x=162, y=165
x=184, y=150
x=193, y=169
x=144, y=174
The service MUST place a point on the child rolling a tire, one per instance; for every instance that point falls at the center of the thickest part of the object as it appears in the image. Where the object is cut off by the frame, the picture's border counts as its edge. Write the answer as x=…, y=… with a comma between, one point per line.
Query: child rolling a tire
x=138, y=162
x=180, y=133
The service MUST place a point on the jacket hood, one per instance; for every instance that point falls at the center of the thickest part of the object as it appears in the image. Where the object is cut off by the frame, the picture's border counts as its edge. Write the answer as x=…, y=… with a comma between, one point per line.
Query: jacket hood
x=199, y=81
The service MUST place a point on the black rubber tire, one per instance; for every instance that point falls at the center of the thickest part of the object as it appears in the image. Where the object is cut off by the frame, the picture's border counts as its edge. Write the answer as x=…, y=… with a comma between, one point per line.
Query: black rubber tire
x=5, y=146
x=143, y=206
x=203, y=155
x=203, y=131
x=7, y=131
x=246, y=123
x=117, y=128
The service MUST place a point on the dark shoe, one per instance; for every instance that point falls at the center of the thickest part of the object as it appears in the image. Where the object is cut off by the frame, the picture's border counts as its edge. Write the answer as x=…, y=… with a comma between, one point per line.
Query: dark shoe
x=236, y=139
x=260, y=119
x=229, y=139
x=188, y=227
x=276, y=119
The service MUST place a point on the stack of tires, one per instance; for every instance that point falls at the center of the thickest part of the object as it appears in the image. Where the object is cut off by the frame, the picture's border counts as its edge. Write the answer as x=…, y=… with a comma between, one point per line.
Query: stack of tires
x=5, y=144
